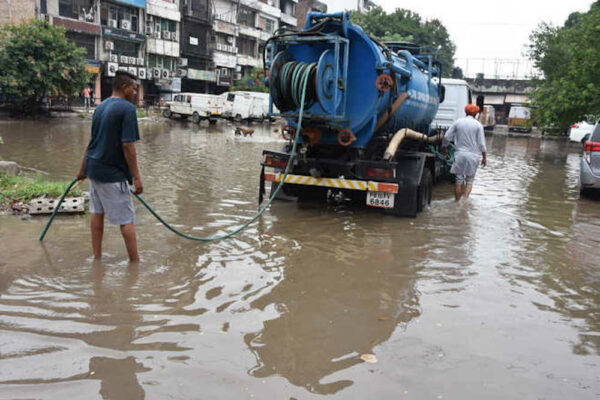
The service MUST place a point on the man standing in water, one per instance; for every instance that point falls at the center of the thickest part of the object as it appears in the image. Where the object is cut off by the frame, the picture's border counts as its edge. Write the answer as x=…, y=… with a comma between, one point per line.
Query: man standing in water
x=110, y=162
x=467, y=135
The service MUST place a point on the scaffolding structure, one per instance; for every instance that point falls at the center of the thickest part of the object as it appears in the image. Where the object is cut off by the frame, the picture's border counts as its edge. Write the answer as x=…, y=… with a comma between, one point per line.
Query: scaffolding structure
x=497, y=68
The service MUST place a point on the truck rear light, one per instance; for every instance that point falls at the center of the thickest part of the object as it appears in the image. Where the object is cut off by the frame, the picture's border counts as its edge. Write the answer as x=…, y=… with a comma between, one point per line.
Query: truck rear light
x=385, y=173
x=590, y=147
x=275, y=162
x=575, y=126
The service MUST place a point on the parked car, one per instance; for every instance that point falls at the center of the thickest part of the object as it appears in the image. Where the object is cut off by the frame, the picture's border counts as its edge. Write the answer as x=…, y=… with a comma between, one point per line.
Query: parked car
x=244, y=105
x=199, y=106
x=589, y=175
x=581, y=131
x=519, y=118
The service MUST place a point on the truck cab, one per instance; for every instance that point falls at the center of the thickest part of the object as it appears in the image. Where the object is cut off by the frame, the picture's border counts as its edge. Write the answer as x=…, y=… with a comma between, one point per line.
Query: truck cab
x=457, y=94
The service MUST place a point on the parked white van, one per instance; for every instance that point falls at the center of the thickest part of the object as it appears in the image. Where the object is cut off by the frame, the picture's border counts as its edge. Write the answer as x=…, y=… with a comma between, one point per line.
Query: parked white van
x=199, y=106
x=247, y=105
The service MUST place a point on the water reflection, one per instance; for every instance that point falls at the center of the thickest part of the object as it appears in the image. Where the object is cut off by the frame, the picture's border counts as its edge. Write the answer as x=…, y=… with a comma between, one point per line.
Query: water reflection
x=339, y=299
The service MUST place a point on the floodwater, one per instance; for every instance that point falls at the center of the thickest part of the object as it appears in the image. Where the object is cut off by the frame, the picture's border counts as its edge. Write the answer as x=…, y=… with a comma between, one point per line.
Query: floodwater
x=497, y=298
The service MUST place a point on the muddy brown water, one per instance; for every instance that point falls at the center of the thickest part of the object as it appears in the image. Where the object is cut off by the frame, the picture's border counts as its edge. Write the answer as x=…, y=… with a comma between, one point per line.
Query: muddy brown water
x=497, y=298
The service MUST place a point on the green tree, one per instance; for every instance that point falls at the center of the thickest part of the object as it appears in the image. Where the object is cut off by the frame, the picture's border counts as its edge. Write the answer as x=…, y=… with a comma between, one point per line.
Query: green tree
x=37, y=60
x=568, y=58
x=408, y=26
x=252, y=81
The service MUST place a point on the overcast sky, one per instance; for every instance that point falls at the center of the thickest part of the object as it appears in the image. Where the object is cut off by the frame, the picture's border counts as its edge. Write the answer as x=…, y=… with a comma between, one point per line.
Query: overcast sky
x=485, y=29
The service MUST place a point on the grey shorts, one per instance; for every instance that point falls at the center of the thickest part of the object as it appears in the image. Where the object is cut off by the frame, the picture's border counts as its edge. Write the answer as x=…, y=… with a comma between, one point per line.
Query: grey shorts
x=462, y=179
x=112, y=199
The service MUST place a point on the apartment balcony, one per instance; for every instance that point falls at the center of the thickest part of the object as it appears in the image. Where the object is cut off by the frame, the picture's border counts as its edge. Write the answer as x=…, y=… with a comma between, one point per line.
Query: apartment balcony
x=249, y=61
x=250, y=31
x=162, y=47
x=288, y=19
x=225, y=48
x=202, y=14
x=163, y=9
x=262, y=7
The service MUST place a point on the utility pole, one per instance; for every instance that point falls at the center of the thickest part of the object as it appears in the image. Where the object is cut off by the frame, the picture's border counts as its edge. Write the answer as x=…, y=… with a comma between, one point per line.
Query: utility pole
x=9, y=12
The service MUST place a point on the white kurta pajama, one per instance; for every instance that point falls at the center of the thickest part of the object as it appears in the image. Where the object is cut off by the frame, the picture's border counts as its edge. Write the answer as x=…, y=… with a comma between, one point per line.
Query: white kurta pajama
x=468, y=137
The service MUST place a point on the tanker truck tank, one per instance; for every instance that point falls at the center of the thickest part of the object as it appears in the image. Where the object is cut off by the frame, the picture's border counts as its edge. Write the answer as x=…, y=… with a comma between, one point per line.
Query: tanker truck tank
x=367, y=115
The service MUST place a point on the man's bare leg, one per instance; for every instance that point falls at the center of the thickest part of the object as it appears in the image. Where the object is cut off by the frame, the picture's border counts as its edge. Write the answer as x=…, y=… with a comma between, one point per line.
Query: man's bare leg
x=97, y=228
x=457, y=192
x=128, y=232
x=468, y=191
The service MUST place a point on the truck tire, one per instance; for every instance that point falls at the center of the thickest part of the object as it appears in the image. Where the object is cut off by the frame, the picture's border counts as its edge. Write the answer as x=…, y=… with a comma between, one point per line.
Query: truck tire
x=167, y=113
x=237, y=118
x=424, y=192
x=196, y=118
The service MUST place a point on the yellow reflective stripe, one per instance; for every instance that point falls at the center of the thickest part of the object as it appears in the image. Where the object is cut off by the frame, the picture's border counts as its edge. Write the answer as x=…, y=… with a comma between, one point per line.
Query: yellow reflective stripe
x=351, y=184
x=329, y=182
x=372, y=187
x=362, y=185
x=299, y=179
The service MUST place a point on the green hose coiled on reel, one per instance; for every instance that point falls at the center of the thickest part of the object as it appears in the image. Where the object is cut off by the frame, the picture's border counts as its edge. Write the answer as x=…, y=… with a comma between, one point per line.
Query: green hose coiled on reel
x=299, y=82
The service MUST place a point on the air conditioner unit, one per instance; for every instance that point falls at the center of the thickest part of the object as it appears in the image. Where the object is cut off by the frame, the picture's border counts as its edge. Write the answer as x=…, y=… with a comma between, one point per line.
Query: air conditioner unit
x=238, y=76
x=140, y=61
x=150, y=18
x=132, y=60
x=111, y=68
x=108, y=45
x=166, y=35
x=142, y=73
x=230, y=39
x=219, y=46
x=182, y=62
x=157, y=27
x=123, y=68
x=114, y=58
x=164, y=74
x=156, y=73
x=132, y=71
x=123, y=59
x=149, y=30
x=230, y=49
x=156, y=34
x=175, y=36
x=113, y=23
x=181, y=73
x=125, y=24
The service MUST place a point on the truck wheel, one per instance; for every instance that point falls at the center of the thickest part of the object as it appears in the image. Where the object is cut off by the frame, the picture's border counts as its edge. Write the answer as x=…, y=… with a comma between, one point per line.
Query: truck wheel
x=196, y=118
x=424, y=192
x=237, y=118
x=167, y=113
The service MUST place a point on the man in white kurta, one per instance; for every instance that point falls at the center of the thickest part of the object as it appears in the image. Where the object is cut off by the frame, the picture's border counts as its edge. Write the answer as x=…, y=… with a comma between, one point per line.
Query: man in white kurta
x=469, y=139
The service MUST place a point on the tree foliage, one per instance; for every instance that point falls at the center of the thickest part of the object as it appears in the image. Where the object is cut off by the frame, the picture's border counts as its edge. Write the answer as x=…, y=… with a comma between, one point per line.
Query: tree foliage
x=252, y=81
x=408, y=26
x=568, y=57
x=37, y=60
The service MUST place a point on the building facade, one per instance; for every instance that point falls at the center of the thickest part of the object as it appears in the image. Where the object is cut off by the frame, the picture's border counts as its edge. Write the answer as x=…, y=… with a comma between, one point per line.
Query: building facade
x=196, y=66
x=306, y=6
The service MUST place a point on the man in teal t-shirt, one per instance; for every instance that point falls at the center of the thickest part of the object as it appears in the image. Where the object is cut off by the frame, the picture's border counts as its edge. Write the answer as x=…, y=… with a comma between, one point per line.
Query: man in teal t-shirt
x=110, y=162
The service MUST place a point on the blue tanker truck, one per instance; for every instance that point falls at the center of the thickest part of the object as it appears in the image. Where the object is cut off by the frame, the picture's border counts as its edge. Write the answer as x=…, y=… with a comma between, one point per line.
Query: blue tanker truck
x=366, y=117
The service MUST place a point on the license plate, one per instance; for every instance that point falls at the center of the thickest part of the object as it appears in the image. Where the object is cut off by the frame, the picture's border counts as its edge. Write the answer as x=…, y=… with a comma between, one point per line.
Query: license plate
x=380, y=199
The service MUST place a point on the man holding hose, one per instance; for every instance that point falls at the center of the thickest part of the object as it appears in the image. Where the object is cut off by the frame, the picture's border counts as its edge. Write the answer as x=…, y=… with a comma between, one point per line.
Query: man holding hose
x=110, y=162
x=468, y=137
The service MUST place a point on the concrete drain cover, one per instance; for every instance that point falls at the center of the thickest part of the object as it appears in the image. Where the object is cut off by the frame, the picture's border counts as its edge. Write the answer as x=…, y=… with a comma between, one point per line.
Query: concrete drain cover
x=45, y=205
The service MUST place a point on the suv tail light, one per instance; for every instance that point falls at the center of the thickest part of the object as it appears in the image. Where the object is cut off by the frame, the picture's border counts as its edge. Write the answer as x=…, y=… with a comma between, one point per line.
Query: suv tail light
x=385, y=173
x=575, y=126
x=589, y=148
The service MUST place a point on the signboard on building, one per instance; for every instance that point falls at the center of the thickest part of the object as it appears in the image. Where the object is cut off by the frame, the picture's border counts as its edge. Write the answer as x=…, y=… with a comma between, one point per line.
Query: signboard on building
x=201, y=75
x=123, y=34
x=224, y=81
x=135, y=3
x=93, y=67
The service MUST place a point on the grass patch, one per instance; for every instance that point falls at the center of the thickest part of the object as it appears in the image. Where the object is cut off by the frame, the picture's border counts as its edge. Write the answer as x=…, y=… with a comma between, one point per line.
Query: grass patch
x=25, y=188
x=141, y=113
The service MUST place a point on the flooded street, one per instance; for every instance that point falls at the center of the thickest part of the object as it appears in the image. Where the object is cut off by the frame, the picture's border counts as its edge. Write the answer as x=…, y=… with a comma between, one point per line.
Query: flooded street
x=497, y=298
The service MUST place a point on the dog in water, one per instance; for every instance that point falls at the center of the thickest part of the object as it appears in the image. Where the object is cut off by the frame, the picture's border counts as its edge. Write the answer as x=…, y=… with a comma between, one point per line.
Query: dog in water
x=241, y=131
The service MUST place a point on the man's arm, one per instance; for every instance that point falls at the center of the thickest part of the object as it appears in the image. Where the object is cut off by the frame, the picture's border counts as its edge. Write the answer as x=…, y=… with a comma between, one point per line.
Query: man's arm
x=481, y=143
x=81, y=174
x=131, y=159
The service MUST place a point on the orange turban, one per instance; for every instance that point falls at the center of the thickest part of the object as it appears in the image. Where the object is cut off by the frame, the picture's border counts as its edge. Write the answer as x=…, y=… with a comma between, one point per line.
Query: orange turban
x=471, y=109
